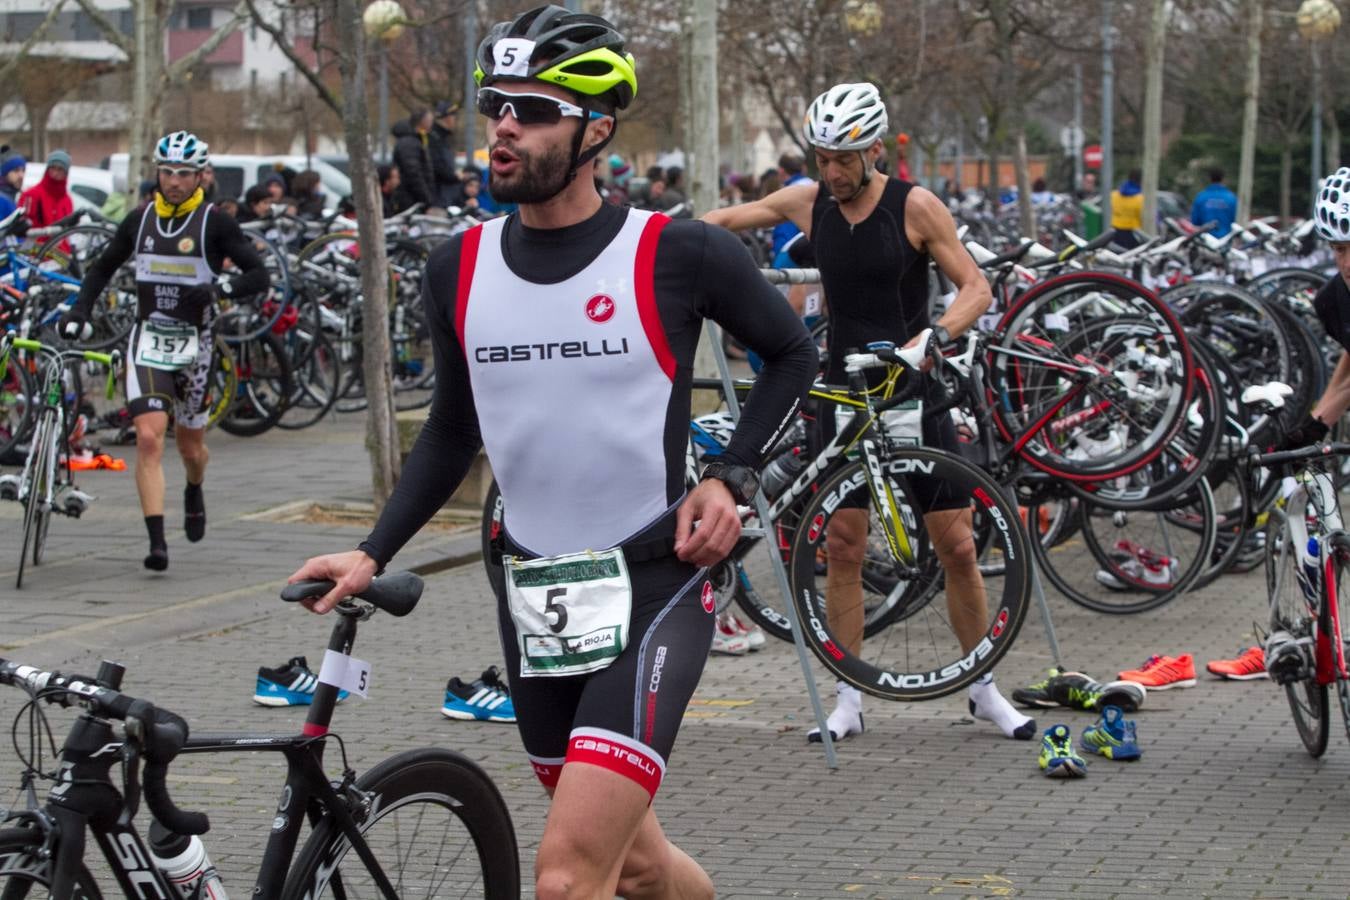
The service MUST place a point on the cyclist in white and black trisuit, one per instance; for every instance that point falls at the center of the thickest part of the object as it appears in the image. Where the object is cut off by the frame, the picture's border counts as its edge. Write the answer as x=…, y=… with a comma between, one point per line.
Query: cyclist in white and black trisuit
x=564, y=337
x=180, y=243
x=873, y=238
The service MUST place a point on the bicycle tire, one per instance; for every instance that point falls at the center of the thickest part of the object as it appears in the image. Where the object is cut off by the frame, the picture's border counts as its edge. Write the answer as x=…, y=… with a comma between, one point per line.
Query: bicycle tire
x=1337, y=571
x=263, y=370
x=1289, y=612
x=315, y=377
x=893, y=666
x=1108, y=572
x=1071, y=305
x=222, y=385
x=23, y=866
x=112, y=320
x=36, y=487
x=17, y=413
x=423, y=778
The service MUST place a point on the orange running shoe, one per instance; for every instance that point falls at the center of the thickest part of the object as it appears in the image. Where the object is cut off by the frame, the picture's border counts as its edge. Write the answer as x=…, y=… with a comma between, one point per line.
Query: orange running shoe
x=1250, y=664
x=1162, y=673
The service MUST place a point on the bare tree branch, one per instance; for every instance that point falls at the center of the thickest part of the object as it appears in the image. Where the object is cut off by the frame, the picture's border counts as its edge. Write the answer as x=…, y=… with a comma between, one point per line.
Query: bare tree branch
x=175, y=72
x=284, y=45
x=7, y=70
x=105, y=25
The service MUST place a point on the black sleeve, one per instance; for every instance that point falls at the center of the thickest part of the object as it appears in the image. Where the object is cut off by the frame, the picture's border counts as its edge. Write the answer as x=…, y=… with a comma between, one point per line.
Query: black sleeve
x=731, y=291
x=449, y=440
x=413, y=169
x=226, y=239
x=117, y=251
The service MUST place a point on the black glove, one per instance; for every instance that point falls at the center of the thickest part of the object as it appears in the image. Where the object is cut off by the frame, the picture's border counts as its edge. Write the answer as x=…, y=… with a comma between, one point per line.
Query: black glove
x=19, y=227
x=1309, y=431
x=195, y=299
x=74, y=326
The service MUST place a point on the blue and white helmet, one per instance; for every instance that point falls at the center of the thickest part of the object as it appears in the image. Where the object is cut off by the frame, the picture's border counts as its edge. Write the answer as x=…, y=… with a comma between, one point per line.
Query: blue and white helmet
x=181, y=148
x=1333, y=207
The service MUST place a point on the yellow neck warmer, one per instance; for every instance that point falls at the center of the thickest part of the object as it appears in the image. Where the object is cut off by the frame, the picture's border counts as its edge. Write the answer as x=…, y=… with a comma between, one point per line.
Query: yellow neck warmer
x=166, y=210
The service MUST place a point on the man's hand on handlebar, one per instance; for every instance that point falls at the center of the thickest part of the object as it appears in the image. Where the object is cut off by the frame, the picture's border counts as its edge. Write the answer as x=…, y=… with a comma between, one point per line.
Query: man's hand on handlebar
x=1309, y=431
x=74, y=326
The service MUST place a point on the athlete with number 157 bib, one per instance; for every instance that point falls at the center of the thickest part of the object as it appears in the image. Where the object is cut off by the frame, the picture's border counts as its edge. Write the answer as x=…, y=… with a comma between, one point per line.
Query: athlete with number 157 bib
x=564, y=338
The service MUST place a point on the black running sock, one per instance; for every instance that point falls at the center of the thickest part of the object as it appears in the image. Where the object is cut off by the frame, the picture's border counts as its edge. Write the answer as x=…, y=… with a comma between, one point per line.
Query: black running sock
x=158, y=559
x=194, y=512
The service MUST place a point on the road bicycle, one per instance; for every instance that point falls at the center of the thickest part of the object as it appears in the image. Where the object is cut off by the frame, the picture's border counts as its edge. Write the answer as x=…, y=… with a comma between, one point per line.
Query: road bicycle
x=1307, y=565
x=44, y=473
x=423, y=823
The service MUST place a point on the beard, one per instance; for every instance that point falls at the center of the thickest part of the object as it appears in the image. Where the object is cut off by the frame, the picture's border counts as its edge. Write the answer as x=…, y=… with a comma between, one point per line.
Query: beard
x=538, y=177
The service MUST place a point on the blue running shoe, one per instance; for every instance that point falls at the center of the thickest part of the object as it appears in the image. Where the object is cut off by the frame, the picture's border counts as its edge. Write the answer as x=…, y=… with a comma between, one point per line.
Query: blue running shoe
x=291, y=685
x=487, y=699
x=1058, y=758
x=1113, y=736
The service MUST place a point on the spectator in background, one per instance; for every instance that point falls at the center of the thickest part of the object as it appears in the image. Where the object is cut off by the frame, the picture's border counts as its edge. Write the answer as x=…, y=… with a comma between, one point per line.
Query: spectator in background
x=470, y=205
x=791, y=170
x=308, y=195
x=229, y=207
x=1087, y=189
x=441, y=145
x=257, y=204
x=1040, y=194
x=1215, y=203
x=209, y=184
x=145, y=192
x=770, y=181
x=620, y=174
x=12, y=166
x=902, y=157
x=412, y=155
x=49, y=200
x=1127, y=210
x=673, y=198
x=387, y=173
x=275, y=185
x=115, y=207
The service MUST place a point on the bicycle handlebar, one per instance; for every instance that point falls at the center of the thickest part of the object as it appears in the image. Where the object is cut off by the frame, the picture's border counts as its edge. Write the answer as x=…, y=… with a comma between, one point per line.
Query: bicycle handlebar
x=1309, y=452
x=159, y=732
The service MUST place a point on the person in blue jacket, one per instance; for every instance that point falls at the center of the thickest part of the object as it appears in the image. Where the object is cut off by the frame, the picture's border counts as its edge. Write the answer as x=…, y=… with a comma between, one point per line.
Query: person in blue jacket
x=1215, y=203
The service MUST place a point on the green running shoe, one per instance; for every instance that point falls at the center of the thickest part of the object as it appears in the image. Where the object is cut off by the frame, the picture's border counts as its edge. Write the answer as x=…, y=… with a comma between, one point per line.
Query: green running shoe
x=1113, y=736
x=1058, y=758
x=1078, y=691
x=1037, y=695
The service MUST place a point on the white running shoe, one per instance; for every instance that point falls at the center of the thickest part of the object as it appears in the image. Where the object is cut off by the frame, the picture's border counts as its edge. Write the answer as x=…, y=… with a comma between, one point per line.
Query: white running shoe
x=728, y=639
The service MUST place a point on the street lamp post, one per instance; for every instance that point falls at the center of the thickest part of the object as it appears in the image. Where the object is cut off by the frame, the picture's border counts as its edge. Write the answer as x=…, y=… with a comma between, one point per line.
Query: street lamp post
x=383, y=21
x=1317, y=21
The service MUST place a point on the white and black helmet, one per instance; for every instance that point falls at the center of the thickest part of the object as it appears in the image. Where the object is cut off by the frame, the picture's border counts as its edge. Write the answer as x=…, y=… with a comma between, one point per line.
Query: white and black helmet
x=181, y=148
x=846, y=117
x=1333, y=206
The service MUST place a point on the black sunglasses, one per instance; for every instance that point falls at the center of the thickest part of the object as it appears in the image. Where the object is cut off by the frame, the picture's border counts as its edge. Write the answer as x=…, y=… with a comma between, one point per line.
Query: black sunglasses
x=529, y=109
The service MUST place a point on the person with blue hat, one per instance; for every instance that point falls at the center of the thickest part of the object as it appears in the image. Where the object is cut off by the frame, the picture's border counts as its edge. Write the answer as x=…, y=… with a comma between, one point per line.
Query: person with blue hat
x=12, y=166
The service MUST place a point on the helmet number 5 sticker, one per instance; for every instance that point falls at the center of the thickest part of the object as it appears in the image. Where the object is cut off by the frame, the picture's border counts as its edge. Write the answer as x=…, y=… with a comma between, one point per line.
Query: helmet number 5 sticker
x=511, y=56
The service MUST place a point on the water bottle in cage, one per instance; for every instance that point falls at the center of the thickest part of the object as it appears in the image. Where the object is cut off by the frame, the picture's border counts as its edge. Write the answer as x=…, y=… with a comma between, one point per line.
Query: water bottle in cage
x=183, y=860
x=780, y=471
x=1310, y=573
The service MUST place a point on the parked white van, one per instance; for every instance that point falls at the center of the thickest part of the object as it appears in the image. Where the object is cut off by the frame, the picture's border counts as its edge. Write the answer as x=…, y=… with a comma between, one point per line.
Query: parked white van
x=236, y=173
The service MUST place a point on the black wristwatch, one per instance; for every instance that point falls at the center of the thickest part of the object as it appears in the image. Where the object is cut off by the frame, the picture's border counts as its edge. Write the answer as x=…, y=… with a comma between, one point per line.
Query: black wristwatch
x=742, y=481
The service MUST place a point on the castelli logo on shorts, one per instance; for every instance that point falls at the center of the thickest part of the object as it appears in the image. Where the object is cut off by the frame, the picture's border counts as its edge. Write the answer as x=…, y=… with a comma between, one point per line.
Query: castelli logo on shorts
x=600, y=308
x=708, y=599
x=187, y=245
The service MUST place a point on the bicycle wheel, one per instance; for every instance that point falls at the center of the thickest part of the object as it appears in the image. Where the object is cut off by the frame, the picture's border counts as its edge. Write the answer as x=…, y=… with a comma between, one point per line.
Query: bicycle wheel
x=1337, y=586
x=34, y=490
x=918, y=657
x=435, y=823
x=315, y=375
x=1130, y=561
x=25, y=871
x=71, y=253
x=264, y=386
x=1291, y=612
x=16, y=406
x=222, y=384
x=1092, y=376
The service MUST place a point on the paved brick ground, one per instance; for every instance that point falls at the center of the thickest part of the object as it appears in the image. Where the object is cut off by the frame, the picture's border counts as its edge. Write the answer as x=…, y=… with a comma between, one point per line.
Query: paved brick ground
x=1225, y=803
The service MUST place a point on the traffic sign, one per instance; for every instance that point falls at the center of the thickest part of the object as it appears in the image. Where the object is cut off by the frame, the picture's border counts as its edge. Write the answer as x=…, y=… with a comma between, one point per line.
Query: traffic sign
x=1092, y=156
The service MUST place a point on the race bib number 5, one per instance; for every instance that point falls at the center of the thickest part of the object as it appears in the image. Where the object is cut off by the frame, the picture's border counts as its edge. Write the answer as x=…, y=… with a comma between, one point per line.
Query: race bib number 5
x=571, y=612
x=166, y=345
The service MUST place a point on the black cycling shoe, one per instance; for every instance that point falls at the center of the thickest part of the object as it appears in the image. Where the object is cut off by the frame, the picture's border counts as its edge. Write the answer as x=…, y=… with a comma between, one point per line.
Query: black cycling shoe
x=194, y=513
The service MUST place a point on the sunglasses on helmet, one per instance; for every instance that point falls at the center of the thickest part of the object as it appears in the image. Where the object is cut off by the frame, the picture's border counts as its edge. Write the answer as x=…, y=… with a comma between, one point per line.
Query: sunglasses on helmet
x=529, y=109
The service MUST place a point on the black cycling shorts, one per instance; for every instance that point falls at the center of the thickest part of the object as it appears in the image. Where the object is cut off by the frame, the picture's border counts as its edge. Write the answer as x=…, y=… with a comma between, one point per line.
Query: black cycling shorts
x=184, y=391
x=931, y=494
x=625, y=717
